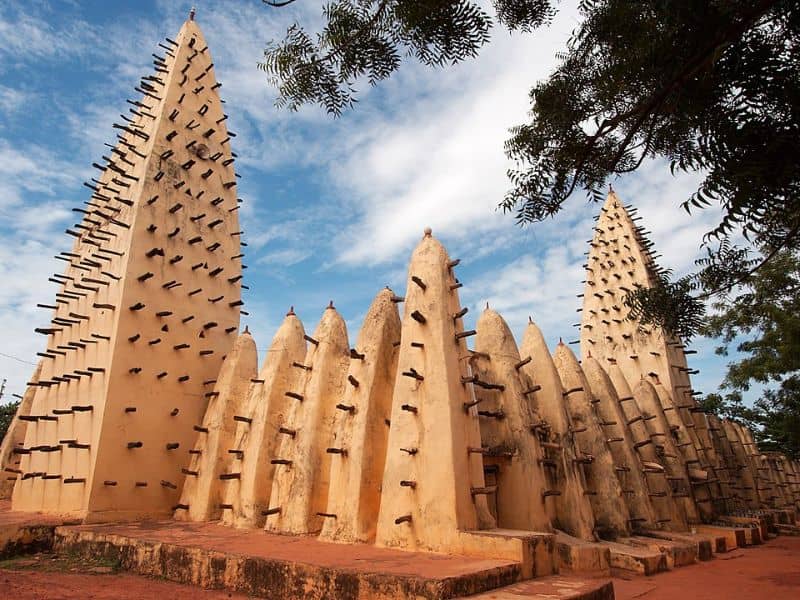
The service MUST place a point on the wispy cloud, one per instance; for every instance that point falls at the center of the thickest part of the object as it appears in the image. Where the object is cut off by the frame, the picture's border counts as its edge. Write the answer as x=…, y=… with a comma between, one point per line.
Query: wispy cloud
x=332, y=207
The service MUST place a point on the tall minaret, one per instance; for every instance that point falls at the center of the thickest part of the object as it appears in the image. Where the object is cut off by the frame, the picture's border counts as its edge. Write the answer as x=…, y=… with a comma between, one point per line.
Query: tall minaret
x=619, y=260
x=148, y=304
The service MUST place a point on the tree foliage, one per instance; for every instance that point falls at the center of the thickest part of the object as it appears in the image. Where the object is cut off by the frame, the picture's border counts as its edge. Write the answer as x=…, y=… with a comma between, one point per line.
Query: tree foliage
x=7, y=412
x=711, y=86
x=763, y=323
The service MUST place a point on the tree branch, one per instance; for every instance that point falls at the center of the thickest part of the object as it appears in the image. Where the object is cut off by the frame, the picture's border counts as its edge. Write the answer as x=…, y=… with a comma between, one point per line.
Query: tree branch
x=277, y=3
x=789, y=237
x=693, y=67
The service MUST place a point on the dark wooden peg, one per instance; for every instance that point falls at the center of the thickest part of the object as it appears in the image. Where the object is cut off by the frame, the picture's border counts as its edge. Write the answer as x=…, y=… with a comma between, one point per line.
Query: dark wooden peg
x=419, y=282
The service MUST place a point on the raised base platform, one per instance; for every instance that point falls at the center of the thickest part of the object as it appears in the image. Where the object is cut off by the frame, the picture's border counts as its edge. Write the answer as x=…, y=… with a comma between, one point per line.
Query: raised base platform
x=787, y=529
x=25, y=532
x=755, y=528
x=553, y=588
x=677, y=553
x=253, y=562
x=635, y=559
x=727, y=538
x=579, y=556
x=705, y=545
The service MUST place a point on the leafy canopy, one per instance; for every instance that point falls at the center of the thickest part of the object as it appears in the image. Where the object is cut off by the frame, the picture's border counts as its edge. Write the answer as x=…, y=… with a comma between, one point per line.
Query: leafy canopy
x=711, y=86
x=7, y=412
x=763, y=323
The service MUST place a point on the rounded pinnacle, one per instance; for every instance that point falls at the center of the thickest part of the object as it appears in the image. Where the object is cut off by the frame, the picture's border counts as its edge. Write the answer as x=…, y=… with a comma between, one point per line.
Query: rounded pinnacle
x=246, y=330
x=291, y=312
x=428, y=232
x=330, y=305
x=192, y=13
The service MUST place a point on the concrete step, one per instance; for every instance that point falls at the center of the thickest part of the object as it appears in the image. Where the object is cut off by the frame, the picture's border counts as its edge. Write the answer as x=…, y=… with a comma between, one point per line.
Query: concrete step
x=556, y=587
x=787, y=529
x=726, y=538
x=257, y=563
x=755, y=528
x=534, y=551
x=678, y=554
x=637, y=559
x=579, y=556
x=25, y=533
x=705, y=544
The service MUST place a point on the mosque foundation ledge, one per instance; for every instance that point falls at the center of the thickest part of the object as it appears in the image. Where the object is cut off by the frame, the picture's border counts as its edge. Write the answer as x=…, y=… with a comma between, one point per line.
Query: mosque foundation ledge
x=756, y=528
x=731, y=537
x=534, y=551
x=579, y=556
x=705, y=544
x=278, y=566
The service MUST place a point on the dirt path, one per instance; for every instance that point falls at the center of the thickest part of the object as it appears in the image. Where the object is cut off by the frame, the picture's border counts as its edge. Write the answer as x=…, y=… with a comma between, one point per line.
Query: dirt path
x=767, y=572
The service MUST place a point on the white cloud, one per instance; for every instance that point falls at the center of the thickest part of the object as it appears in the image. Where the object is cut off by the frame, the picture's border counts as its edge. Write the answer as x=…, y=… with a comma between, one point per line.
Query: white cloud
x=423, y=149
x=284, y=258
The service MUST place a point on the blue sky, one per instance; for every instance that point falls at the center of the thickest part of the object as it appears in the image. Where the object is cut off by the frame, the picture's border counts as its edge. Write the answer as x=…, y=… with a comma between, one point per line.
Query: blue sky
x=332, y=208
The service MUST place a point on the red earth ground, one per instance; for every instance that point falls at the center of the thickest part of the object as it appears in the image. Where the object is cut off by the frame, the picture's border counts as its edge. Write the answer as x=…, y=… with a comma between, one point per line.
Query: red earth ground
x=768, y=572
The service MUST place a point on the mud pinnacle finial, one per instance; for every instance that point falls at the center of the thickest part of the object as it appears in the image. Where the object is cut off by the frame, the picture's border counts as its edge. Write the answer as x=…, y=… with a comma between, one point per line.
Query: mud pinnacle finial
x=428, y=232
x=291, y=311
x=192, y=13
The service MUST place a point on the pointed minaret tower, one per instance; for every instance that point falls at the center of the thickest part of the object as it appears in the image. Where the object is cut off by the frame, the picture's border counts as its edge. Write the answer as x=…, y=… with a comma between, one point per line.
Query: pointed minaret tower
x=362, y=426
x=148, y=307
x=433, y=486
x=619, y=260
x=301, y=482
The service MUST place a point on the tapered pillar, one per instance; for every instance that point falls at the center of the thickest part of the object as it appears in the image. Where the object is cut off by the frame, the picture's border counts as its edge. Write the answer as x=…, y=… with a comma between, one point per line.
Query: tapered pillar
x=259, y=427
x=14, y=440
x=747, y=474
x=204, y=487
x=681, y=476
x=705, y=486
x=630, y=471
x=567, y=503
x=606, y=495
x=510, y=446
x=302, y=462
x=671, y=498
x=361, y=427
x=433, y=486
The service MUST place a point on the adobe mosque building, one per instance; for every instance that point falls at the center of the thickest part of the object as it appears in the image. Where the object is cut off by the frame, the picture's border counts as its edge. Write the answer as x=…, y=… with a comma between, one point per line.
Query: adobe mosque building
x=149, y=403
